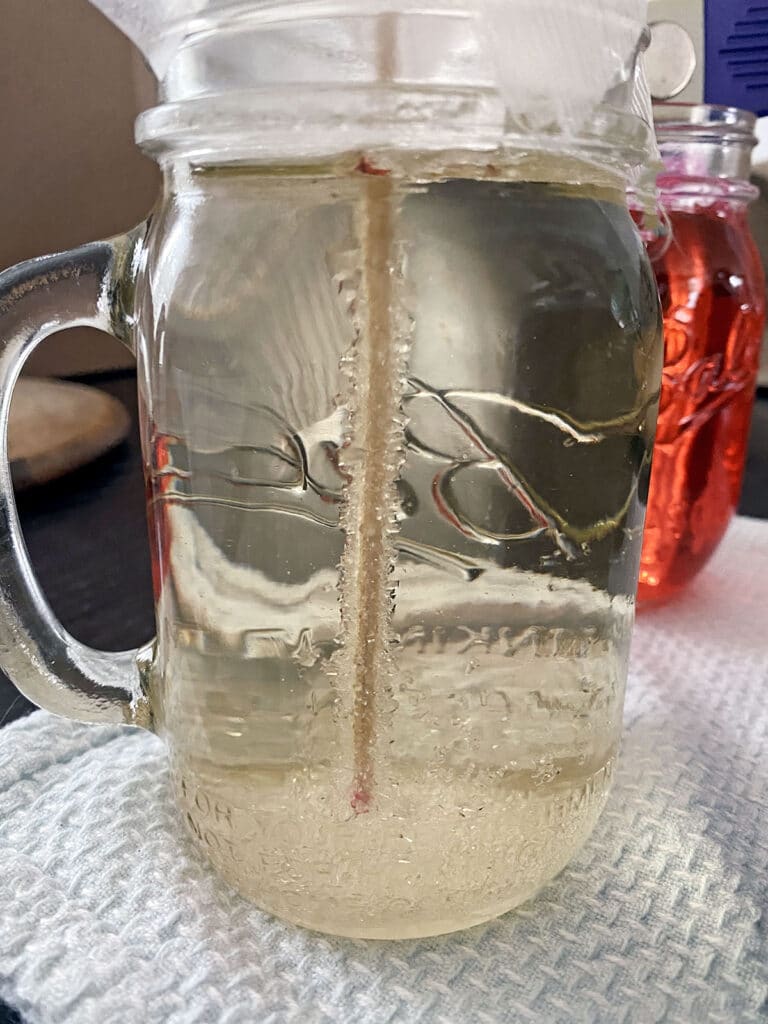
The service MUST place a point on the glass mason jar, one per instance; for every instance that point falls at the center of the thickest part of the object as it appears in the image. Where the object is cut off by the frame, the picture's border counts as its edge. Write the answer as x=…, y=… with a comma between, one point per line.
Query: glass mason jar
x=398, y=402
x=713, y=298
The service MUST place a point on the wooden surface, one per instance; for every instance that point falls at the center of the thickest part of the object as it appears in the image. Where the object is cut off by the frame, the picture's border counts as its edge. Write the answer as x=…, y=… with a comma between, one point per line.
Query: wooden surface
x=57, y=427
x=87, y=537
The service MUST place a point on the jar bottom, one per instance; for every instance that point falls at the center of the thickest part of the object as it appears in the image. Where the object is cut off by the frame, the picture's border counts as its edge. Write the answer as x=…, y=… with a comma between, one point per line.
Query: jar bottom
x=391, y=930
x=379, y=900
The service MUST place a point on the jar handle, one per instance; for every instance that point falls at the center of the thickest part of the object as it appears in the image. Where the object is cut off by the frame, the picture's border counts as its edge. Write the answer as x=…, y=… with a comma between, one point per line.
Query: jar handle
x=85, y=287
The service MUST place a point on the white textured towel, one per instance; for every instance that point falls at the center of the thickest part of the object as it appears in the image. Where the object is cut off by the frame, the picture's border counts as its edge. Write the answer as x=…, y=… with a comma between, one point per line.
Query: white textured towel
x=107, y=917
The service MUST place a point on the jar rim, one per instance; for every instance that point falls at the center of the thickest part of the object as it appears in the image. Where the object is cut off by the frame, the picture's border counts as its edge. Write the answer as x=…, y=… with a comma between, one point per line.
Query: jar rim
x=268, y=126
x=290, y=80
x=703, y=122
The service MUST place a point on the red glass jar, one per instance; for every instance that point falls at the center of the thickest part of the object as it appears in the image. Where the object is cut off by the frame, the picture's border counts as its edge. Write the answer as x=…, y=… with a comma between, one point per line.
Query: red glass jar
x=712, y=290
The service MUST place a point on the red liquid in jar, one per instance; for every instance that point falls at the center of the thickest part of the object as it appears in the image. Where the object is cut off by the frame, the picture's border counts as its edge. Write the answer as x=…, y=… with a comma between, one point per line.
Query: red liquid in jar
x=712, y=291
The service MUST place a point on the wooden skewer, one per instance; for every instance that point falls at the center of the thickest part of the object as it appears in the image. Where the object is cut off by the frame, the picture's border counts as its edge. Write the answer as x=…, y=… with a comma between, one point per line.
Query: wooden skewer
x=371, y=551
x=372, y=496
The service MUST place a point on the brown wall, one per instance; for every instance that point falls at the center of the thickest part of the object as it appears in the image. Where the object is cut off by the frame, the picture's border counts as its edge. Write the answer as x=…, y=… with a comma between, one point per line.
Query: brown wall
x=70, y=88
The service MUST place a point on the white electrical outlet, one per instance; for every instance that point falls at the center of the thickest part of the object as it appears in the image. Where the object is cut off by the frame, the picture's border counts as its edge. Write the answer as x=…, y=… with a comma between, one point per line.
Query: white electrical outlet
x=674, y=61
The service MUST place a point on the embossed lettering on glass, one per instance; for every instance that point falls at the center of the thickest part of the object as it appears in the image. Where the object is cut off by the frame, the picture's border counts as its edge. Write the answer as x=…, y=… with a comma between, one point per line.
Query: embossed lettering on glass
x=398, y=370
x=713, y=299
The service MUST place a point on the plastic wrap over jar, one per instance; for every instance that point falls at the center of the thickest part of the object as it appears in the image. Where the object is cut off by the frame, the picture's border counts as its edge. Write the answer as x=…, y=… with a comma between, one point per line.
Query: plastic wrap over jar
x=394, y=72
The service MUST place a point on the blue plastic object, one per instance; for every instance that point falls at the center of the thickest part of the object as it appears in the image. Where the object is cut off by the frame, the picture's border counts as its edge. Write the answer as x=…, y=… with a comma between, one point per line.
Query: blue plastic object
x=736, y=54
